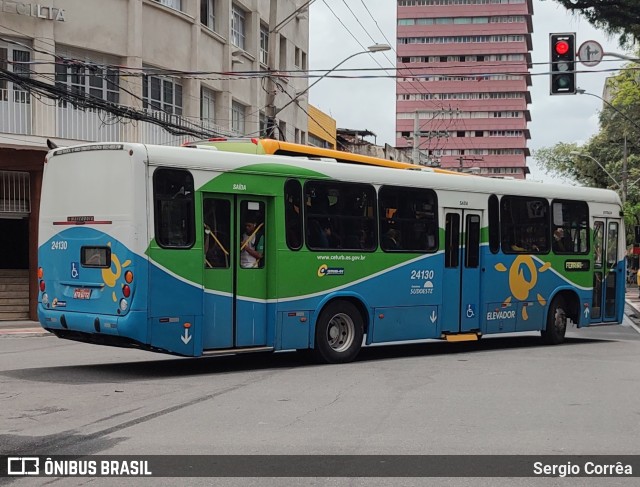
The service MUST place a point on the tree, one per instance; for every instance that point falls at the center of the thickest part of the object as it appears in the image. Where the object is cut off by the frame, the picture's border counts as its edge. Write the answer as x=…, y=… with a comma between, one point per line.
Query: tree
x=617, y=17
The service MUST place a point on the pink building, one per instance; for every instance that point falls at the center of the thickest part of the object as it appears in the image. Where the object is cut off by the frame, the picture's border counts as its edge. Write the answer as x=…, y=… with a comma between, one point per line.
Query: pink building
x=463, y=71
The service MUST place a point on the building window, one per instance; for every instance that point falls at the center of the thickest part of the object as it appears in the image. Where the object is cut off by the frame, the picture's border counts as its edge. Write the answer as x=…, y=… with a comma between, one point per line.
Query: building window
x=18, y=65
x=96, y=81
x=207, y=107
x=304, y=60
x=238, y=27
x=264, y=44
x=283, y=53
x=208, y=13
x=263, y=121
x=296, y=58
x=318, y=142
x=174, y=4
x=162, y=94
x=237, y=117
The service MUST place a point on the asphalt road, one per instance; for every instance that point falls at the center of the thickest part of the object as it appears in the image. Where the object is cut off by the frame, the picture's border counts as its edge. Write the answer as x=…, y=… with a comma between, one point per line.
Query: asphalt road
x=507, y=395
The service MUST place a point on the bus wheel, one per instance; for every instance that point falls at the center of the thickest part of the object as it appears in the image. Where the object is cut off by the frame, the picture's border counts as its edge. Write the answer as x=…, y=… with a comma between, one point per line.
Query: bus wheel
x=556, y=322
x=339, y=333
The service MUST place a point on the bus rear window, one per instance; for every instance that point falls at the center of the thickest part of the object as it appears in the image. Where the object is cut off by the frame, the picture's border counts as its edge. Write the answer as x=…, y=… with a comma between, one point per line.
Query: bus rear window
x=95, y=257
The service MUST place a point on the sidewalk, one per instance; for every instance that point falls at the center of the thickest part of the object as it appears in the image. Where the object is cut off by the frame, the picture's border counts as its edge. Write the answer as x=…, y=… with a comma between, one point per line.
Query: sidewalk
x=633, y=299
x=26, y=327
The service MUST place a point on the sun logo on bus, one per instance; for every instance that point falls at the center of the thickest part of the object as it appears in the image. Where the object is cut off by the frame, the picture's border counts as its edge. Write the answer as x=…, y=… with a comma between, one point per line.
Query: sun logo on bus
x=523, y=277
x=111, y=275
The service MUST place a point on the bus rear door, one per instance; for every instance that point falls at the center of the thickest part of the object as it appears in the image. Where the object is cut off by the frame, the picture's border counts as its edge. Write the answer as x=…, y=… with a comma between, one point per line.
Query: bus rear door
x=234, y=311
x=608, y=272
x=461, y=302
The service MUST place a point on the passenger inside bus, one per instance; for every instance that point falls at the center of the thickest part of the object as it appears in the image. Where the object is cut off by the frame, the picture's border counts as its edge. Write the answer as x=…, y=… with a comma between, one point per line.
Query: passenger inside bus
x=391, y=240
x=559, y=241
x=252, y=244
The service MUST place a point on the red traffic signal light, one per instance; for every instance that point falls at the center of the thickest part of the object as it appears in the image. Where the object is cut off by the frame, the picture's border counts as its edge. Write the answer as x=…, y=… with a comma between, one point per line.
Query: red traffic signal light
x=562, y=47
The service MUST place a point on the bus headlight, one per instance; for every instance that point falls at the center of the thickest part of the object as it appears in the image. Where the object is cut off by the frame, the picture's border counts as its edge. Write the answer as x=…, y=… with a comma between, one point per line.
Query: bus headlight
x=124, y=304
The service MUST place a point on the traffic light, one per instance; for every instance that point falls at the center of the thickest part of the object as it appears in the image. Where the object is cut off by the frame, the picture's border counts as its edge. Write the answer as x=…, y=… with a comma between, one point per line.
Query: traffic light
x=563, y=64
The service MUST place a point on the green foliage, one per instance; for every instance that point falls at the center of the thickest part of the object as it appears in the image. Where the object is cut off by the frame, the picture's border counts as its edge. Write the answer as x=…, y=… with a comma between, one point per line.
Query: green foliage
x=558, y=161
x=617, y=17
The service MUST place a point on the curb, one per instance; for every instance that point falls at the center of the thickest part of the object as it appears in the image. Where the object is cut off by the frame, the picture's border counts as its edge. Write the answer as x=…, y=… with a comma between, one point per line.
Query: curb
x=23, y=331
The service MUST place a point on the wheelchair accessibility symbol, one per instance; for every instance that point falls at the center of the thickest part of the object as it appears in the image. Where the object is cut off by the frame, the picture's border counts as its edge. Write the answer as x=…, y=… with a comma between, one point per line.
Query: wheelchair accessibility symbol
x=471, y=310
x=75, y=273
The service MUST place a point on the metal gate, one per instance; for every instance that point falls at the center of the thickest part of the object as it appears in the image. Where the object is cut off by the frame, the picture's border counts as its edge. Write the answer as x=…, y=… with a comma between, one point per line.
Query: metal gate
x=15, y=194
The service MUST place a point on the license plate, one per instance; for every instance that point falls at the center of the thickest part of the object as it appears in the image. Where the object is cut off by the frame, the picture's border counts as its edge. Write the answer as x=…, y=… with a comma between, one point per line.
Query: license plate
x=82, y=293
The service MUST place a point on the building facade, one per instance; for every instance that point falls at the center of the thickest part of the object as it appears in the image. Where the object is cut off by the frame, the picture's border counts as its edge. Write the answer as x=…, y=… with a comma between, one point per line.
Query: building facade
x=322, y=129
x=463, y=81
x=175, y=64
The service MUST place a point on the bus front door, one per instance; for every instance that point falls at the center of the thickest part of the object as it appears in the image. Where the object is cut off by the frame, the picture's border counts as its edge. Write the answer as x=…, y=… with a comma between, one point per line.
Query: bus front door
x=462, y=268
x=235, y=272
x=608, y=274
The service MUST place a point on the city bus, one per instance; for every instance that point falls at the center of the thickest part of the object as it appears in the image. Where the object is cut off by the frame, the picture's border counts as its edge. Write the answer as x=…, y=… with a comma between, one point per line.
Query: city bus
x=198, y=252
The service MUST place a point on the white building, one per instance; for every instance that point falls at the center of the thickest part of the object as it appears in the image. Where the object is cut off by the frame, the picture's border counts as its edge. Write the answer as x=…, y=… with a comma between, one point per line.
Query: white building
x=168, y=59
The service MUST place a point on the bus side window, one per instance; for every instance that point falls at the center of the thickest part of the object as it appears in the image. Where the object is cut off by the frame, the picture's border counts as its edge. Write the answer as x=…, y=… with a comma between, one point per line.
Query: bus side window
x=339, y=216
x=524, y=225
x=408, y=219
x=570, y=227
x=173, y=193
x=292, y=213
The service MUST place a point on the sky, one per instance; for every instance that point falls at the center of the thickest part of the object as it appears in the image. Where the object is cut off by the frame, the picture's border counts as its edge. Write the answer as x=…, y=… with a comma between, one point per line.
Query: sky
x=370, y=103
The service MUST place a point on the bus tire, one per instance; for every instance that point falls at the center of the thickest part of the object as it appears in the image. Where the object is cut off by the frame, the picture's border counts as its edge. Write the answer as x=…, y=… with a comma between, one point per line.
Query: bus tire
x=339, y=332
x=556, y=327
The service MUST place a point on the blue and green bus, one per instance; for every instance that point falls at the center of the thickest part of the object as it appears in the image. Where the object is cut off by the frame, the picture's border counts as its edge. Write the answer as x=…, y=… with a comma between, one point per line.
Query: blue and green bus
x=142, y=246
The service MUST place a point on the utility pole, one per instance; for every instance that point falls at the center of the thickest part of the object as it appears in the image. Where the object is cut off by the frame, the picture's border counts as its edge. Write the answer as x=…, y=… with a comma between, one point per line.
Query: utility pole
x=270, y=109
x=415, y=156
x=625, y=174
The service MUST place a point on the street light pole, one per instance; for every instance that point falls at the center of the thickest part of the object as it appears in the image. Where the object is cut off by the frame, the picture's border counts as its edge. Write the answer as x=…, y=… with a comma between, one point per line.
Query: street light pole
x=370, y=49
x=623, y=187
x=580, y=91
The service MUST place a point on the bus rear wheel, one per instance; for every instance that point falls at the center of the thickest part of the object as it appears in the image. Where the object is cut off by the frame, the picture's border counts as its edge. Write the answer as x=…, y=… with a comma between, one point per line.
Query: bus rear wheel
x=556, y=327
x=339, y=332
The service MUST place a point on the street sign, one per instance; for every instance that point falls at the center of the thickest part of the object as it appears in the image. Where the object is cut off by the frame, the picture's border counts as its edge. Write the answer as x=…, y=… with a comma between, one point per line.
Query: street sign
x=590, y=53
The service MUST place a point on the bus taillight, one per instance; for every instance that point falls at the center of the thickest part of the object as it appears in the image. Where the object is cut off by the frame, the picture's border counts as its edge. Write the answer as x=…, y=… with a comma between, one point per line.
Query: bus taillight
x=126, y=291
x=42, y=286
x=40, y=272
x=128, y=276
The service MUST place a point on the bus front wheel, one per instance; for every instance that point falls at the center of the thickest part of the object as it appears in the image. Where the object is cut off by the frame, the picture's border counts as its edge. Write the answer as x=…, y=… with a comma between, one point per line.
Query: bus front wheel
x=339, y=332
x=556, y=322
